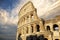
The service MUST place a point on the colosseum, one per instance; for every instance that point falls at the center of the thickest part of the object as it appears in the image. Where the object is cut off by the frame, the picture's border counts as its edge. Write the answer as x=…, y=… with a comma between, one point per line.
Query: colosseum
x=31, y=27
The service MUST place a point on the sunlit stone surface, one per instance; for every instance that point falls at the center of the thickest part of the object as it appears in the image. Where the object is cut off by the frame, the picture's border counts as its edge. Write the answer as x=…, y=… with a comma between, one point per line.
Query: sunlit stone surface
x=33, y=27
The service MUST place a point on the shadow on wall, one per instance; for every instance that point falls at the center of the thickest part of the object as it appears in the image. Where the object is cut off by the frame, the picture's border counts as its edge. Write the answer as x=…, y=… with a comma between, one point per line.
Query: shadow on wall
x=34, y=37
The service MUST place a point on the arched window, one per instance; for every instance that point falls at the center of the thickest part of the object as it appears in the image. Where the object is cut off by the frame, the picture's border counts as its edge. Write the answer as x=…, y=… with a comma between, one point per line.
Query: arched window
x=32, y=16
x=27, y=18
x=27, y=29
x=32, y=28
x=48, y=28
x=38, y=28
x=55, y=27
x=19, y=38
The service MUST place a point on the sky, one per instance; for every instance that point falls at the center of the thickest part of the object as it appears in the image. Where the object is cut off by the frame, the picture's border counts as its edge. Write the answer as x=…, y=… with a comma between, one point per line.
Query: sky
x=8, y=19
x=9, y=10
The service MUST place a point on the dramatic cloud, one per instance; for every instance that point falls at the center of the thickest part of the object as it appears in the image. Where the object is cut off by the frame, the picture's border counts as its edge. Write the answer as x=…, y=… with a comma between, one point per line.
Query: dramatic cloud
x=5, y=19
x=9, y=19
x=3, y=16
x=43, y=5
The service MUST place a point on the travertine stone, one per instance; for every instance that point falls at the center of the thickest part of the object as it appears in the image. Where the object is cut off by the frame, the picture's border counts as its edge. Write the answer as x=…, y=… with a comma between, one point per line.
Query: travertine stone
x=28, y=21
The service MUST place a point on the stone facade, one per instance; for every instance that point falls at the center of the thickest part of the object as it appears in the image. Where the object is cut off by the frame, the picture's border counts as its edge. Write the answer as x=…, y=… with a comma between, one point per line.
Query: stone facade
x=31, y=27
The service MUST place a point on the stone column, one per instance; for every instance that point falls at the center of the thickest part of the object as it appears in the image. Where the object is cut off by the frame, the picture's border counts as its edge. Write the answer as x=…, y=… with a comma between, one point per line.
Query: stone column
x=29, y=18
x=41, y=27
x=29, y=29
x=49, y=37
x=34, y=28
x=17, y=36
x=25, y=20
x=35, y=15
x=51, y=27
x=59, y=27
x=24, y=30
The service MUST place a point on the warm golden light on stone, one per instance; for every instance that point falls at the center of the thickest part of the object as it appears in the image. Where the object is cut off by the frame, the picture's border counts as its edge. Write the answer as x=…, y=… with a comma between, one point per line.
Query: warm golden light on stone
x=31, y=27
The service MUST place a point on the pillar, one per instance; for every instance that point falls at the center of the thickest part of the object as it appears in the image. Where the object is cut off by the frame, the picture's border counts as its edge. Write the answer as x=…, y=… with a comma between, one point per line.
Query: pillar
x=41, y=27
x=34, y=28
x=30, y=29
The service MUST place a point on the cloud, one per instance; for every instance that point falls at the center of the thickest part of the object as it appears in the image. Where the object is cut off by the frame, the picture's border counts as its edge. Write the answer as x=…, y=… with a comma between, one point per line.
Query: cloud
x=12, y=18
x=17, y=8
x=6, y=19
x=3, y=16
x=9, y=20
x=42, y=6
x=15, y=11
x=8, y=23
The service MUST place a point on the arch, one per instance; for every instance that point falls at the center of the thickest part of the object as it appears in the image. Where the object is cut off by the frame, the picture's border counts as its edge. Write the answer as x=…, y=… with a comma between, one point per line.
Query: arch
x=55, y=27
x=32, y=16
x=45, y=39
x=27, y=16
x=56, y=39
x=24, y=19
x=48, y=28
x=27, y=30
x=19, y=37
x=32, y=28
x=41, y=37
x=31, y=37
x=38, y=28
x=28, y=38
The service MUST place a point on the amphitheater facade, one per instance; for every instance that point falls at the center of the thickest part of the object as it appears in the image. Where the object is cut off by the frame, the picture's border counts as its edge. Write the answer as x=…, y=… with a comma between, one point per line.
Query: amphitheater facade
x=31, y=27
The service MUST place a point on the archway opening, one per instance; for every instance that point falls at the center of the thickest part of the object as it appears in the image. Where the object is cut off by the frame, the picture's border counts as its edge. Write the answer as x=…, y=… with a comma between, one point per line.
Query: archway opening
x=31, y=37
x=19, y=37
x=48, y=28
x=41, y=37
x=32, y=28
x=38, y=28
x=28, y=38
x=32, y=16
x=45, y=39
x=27, y=30
x=55, y=27
x=56, y=39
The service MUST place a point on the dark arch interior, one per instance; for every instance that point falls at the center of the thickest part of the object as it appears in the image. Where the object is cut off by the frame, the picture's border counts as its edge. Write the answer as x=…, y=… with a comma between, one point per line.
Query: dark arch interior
x=38, y=28
x=41, y=37
x=19, y=38
x=32, y=16
x=27, y=30
x=31, y=37
x=35, y=37
x=56, y=39
x=48, y=28
x=32, y=28
x=45, y=39
x=55, y=27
